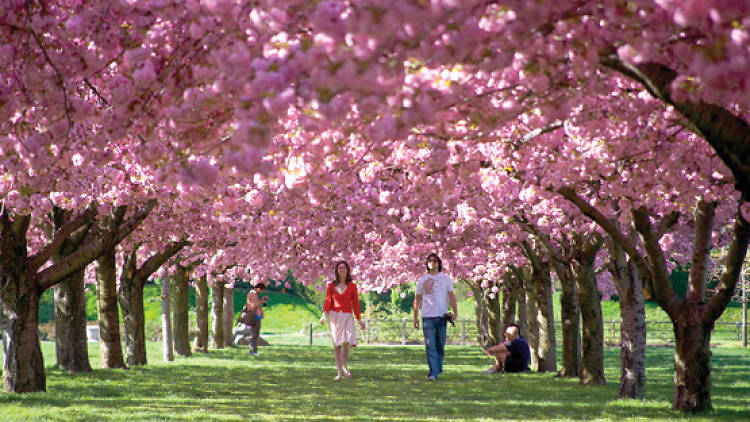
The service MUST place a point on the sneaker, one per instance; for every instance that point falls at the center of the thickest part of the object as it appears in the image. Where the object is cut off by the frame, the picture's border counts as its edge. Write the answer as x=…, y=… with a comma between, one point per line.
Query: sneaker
x=254, y=353
x=431, y=378
x=492, y=370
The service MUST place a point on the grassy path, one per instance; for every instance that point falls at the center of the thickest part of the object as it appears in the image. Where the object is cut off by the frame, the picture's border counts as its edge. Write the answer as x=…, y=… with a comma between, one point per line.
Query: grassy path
x=294, y=383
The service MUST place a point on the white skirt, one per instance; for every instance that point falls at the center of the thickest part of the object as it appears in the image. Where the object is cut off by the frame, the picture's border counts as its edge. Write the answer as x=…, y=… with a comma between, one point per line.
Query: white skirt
x=342, y=328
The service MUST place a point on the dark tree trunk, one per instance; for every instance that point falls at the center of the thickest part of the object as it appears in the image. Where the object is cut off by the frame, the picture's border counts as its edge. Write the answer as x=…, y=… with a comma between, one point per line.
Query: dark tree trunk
x=480, y=308
x=692, y=360
x=180, y=319
x=571, y=321
x=510, y=297
x=167, y=334
x=495, y=316
x=523, y=318
x=23, y=371
x=592, y=344
x=201, y=315
x=71, y=345
x=131, y=304
x=228, y=315
x=532, y=323
x=217, y=314
x=109, y=318
x=545, y=318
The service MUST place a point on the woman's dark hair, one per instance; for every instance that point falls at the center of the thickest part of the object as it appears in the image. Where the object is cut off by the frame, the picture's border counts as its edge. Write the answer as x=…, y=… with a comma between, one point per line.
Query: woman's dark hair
x=257, y=285
x=336, y=272
x=440, y=263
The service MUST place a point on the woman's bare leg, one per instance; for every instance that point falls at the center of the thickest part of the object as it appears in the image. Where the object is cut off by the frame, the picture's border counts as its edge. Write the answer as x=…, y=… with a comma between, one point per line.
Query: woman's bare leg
x=345, y=359
x=338, y=352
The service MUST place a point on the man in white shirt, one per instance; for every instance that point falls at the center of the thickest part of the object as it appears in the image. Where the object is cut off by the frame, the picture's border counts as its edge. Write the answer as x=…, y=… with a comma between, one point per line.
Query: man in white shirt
x=434, y=290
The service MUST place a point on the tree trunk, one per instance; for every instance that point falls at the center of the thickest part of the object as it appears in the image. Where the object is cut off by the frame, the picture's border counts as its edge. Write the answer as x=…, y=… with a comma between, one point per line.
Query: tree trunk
x=181, y=320
x=495, y=318
x=228, y=315
x=633, y=349
x=23, y=371
x=109, y=319
x=71, y=345
x=533, y=324
x=523, y=318
x=546, y=352
x=480, y=308
x=510, y=297
x=201, y=315
x=692, y=360
x=571, y=321
x=217, y=314
x=633, y=330
x=592, y=344
x=166, y=320
x=131, y=304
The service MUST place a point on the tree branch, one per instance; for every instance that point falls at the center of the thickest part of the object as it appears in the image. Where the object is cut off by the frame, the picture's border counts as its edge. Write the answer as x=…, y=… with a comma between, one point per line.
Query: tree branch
x=157, y=260
x=89, y=252
x=660, y=283
x=667, y=223
x=728, y=134
x=704, y=222
x=38, y=259
x=728, y=281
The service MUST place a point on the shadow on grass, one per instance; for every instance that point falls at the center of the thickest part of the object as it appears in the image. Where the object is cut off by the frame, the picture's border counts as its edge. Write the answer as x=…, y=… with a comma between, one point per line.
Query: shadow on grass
x=294, y=383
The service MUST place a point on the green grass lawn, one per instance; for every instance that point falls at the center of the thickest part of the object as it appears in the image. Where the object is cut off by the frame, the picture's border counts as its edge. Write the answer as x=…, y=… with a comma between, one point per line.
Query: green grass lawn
x=294, y=383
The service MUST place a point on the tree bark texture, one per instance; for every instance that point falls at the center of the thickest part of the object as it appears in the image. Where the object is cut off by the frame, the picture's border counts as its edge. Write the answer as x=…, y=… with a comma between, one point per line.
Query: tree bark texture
x=71, y=344
x=571, y=322
x=110, y=346
x=629, y=286
x=532, y=323
x=523, y=324
x=480, y=308
x=592, y=341
x=131, y=304
x=166, y=319
x=23, y=370
x=228, y=315
x=692, y=360
x=510, y=297
x=217, y=315
x=180, y=320
x=547, y=354
x=201, y=314
x=495, y=318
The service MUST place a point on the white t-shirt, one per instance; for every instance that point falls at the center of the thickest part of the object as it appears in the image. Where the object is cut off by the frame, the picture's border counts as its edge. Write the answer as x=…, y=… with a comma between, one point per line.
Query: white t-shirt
x=434, y=290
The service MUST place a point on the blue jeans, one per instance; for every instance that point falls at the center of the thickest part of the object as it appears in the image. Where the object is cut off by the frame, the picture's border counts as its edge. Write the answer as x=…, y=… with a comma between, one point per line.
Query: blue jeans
x=434, y=343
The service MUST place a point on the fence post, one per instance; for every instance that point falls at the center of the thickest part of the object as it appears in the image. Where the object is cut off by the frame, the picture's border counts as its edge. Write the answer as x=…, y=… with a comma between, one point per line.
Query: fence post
x=403, y=331
x=463, y=333
x=310, y=327
x=744, y=312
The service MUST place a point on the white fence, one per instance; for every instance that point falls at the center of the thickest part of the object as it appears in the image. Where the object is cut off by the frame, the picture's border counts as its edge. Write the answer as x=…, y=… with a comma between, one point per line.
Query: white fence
x=402, y=331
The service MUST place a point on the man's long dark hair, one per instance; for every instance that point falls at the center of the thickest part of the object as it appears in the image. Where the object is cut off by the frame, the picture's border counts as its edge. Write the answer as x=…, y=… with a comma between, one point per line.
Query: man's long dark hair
x=336, y=273
x=440, y=262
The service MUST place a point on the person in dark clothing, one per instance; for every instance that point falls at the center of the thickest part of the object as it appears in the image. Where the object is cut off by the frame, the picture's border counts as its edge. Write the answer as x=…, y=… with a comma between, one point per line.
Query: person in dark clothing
x=513, y=355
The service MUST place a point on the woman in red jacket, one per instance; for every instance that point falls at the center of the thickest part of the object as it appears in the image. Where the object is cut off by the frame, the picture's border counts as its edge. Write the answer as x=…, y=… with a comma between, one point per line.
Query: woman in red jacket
x=341, y=300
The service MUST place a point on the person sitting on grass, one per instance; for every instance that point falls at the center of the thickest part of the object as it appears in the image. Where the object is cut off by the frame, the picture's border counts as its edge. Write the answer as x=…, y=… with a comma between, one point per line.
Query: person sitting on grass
x=513, y=355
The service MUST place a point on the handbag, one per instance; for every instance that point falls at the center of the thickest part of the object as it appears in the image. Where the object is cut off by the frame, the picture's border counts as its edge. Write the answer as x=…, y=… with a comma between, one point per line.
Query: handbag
x=246, y=317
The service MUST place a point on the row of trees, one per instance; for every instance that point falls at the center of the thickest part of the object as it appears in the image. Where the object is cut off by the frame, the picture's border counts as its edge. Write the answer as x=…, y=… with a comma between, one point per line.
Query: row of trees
x=600, y=143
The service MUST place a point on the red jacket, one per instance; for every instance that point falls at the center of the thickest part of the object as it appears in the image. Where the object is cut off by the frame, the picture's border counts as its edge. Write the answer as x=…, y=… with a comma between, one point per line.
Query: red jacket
x=342, y=302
